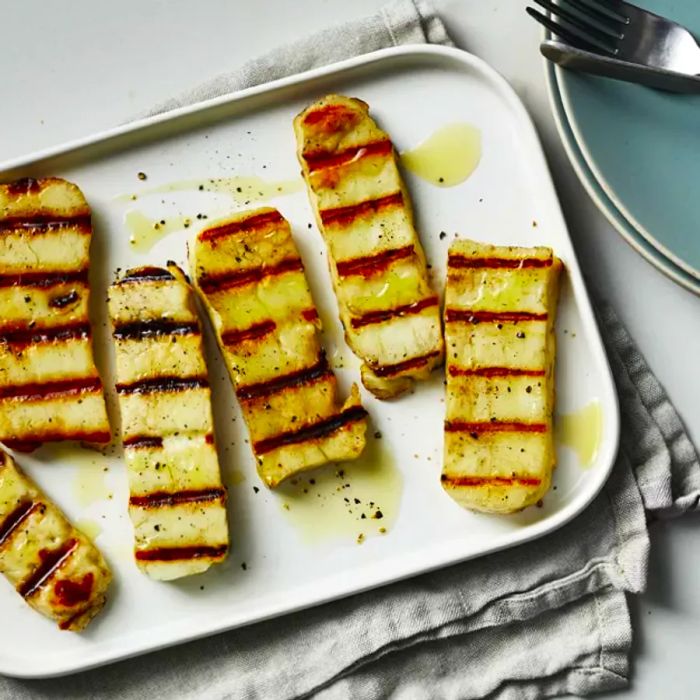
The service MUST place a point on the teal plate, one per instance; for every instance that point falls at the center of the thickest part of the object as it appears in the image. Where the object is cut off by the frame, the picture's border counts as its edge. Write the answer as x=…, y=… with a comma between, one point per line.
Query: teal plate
x=605, y=204
x=643, y=148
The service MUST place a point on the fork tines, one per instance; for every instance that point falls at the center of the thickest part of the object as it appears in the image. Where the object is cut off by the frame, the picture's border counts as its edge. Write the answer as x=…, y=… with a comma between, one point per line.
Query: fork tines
x=596, y=25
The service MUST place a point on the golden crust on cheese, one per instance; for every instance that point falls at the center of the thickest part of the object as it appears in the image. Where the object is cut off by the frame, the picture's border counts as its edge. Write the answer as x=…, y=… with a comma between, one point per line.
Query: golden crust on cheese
x=251, y=279
x=390, y=312
x=49, y=385
x=177, y=502
x=53, y=566
x=500, y=307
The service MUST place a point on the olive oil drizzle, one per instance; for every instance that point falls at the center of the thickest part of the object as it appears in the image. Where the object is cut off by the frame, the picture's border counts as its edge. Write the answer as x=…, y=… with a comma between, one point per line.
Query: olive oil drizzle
x=447, y=157
x=582, y=431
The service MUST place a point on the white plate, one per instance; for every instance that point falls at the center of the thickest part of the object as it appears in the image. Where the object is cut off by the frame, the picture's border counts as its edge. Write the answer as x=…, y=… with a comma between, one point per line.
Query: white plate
x=412, y=91
x=588, y=179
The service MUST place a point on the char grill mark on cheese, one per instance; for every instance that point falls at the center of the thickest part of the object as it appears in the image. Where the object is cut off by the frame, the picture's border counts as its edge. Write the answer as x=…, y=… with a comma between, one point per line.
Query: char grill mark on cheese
x=319, y=370
x=160, y=499
x=313, y=431
x=96, y=436
x=221, y=231
x=257, y=330
x=53, y=566
x=51, y=561
x=331, y=114
x=310, y=315
x=45, y=390
x=138, y=330
x=387, y=314
x=240, y=278
x=499, y=311
x=344, y=216
x=163, y=384
x=318, y=160
x=389, y=370
x=49, y=385
x=15, y=519
x=24, y=185
x=458, y=262
x=47, y=223
x=17, y=334
x=490, y=480
x=494, y=426
x=177, y=501
x=146, y=441
x=373, y=264
x=173, y=554
x=471, y=316
x=268, y=331
x=145, y=274
x=494, y=372
x=142, y=441
x=44, y=279
x=387, y=305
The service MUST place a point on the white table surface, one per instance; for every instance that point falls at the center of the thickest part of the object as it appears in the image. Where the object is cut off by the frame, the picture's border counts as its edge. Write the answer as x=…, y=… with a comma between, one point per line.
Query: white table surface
x=71, y=69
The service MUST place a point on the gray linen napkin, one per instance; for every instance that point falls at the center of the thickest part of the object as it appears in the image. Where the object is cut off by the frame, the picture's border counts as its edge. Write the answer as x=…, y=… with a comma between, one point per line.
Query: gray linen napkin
x=541, y=620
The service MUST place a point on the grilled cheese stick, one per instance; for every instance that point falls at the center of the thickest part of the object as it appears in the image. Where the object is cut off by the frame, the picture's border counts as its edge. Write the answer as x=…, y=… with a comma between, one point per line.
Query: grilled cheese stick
x=500, y=306
x=389, y=311
x=177, y=502
x=251, y=279
x=49, y=385
x=53, y=566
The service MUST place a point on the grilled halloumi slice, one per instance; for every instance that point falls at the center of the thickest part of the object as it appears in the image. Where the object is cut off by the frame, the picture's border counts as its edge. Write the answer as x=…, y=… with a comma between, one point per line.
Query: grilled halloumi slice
x=390, y=313
x=251, y=279
x=500, y=306
x=177, y=502
x=49, y=385
x=53, y=566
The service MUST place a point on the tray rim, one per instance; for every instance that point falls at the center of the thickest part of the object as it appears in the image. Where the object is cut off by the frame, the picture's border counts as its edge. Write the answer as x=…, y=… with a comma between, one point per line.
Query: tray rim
x=307, y=598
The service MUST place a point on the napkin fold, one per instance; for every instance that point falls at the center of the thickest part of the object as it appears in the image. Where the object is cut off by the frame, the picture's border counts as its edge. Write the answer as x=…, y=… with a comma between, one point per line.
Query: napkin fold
x=402, y=22
x=547, y=618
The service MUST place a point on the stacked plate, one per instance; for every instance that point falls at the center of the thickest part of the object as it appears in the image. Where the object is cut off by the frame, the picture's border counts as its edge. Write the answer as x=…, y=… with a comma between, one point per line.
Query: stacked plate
x=637, y=153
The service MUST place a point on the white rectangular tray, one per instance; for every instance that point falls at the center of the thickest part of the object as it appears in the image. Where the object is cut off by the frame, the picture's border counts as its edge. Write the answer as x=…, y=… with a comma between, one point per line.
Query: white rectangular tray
x=290, y=565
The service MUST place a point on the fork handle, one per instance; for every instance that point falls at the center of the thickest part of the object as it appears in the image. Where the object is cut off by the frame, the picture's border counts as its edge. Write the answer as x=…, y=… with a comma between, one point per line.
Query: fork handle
x=588, y=62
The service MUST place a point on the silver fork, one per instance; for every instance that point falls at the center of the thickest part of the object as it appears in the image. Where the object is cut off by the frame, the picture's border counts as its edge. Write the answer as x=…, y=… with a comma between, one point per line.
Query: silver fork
x=622, y=31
